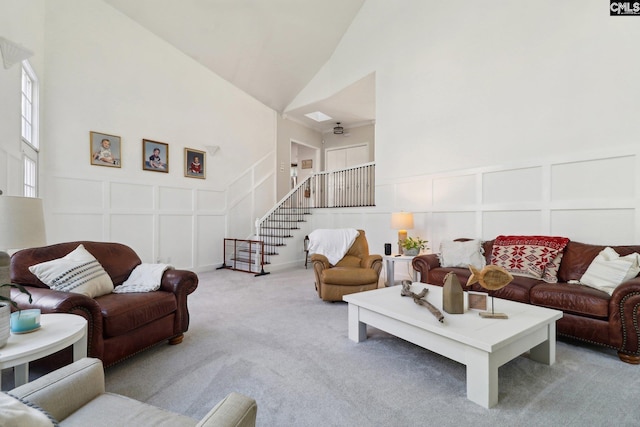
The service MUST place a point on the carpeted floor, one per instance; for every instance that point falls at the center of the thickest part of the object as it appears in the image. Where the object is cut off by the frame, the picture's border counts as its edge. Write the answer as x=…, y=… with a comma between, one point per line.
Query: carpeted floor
x=272, y=338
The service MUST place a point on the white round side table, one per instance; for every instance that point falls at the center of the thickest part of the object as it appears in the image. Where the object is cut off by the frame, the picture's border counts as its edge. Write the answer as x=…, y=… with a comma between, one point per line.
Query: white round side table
x=57, y=331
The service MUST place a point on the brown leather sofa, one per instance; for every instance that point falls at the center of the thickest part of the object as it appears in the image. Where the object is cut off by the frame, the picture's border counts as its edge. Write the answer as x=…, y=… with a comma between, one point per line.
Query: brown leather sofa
x=119, y=325
x=590, y=315
x=357, y=271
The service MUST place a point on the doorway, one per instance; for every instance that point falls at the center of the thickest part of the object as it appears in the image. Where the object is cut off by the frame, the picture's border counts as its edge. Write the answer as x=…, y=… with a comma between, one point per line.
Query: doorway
x=305, y=161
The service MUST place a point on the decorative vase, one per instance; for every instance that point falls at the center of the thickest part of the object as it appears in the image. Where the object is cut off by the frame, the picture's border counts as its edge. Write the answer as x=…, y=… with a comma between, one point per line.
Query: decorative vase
x=411, y=252
x=5, y=315
x=452, y=294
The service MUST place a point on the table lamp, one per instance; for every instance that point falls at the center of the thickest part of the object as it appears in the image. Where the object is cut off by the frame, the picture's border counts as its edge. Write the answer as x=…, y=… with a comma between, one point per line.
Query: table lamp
x=401, y=221
x=21, y=226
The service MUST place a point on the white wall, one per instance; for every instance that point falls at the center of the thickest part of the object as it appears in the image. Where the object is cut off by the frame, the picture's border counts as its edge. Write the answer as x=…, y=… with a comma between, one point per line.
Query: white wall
x=496, y=117
x=105, y=73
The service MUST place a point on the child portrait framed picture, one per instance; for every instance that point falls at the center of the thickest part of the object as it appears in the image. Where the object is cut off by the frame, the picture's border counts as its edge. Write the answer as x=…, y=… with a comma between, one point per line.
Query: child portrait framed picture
x=155, y=156
x=105, y=149
x=194, y=163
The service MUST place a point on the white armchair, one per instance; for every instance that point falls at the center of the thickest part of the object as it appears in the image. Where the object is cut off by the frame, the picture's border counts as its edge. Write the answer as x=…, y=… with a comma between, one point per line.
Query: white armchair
x=75, y=396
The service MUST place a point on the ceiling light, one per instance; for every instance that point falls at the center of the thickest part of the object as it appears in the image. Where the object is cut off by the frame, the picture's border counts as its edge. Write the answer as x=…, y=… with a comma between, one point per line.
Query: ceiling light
x=318, y=116
x=338, y=130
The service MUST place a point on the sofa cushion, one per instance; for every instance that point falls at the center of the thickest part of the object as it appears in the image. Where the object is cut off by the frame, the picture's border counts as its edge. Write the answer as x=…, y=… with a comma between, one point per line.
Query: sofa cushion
x=527, y=256
x=78, y=272
x=349, y=276
x=125, y=312
x=461, y=254
x=572, y=298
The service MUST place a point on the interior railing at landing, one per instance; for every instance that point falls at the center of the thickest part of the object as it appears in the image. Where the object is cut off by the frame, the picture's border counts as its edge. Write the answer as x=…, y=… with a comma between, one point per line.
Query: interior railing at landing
x=349, y=187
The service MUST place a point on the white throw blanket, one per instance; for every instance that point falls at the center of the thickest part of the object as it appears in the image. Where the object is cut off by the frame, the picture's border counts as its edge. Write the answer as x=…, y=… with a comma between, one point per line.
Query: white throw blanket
x=332, y=243
x=143, y=278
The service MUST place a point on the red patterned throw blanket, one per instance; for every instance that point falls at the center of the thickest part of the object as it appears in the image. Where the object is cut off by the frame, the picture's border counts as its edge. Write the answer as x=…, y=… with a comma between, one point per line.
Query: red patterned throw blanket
x=531, y=256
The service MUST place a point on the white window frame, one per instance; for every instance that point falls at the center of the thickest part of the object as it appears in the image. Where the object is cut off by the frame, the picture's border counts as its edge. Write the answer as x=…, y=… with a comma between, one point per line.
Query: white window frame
x=30, y=119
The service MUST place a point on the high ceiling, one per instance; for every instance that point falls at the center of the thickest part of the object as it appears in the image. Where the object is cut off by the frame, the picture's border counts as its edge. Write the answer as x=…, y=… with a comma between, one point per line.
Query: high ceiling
x=270, y=49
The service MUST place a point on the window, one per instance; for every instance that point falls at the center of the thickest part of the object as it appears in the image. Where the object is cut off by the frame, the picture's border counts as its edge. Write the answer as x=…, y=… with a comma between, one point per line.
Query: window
x=30, y=177
x=30, y=142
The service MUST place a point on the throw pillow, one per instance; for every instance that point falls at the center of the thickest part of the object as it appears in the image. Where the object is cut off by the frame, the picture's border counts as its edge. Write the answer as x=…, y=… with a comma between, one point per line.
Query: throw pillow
x=461, y=254
x=609, y=269
x=529, y=256
x=18, y=413
x=78, y=272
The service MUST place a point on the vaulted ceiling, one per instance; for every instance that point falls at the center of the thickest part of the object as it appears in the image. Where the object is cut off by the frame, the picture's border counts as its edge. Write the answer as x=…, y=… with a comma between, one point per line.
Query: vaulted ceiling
x=270, y=49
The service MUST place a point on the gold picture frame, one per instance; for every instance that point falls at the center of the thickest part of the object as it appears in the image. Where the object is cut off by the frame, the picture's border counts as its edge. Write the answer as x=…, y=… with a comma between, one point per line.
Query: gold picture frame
x=195, y=163
x=105, y=149
x=155, y=156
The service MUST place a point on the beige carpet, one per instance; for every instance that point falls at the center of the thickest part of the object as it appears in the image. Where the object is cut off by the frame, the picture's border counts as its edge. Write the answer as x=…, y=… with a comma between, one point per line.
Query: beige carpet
x=272, y=338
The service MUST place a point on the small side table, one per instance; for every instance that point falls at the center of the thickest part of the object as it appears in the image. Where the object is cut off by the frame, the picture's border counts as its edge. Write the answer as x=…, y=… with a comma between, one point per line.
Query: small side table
x=57, y=331
x=390, y=260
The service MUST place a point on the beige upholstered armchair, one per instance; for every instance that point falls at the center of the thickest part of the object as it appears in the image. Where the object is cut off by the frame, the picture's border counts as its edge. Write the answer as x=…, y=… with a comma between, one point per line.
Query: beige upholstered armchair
x=357, y=271
x=75, y=395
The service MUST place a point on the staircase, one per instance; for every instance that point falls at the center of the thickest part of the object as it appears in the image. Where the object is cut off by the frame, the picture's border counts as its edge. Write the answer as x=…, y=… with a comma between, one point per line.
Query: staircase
x=350, y=187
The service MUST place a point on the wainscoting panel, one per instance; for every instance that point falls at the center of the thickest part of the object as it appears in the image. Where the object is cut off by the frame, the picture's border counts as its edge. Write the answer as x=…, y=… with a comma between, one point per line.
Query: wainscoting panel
x=137, y=231
x=451, y=225
x=70, y=227
x=239, y=189
x=131, y=197
x=68, y=193
x=512, y=186
x=611, y=178
x=264, y=168
x=264, y=195
x=241, y=222
x=209, y=238
x=454, y=191
x=510, y=222
x=413, y=196
x=598, y=226
x=210, y=200
x=176, y=240
x=175, y=199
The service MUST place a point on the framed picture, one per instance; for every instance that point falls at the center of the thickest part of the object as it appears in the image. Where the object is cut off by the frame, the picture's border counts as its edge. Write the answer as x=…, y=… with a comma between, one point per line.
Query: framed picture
x=194, y=163
x=105, y=149
x=155, y=156
x=307, y=164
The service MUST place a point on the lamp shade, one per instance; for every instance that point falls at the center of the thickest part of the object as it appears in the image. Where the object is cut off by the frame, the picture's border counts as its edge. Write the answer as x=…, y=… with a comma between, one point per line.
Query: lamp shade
x=401, y=220
x=21, y=223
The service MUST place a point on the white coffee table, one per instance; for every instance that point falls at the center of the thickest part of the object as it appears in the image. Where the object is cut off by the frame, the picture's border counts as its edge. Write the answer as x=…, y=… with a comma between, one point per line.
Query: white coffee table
x=57, y=331
x=482, y=345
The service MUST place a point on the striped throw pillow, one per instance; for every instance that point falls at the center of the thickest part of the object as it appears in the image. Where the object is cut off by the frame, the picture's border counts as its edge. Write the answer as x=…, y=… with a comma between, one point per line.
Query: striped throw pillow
x=78, y=272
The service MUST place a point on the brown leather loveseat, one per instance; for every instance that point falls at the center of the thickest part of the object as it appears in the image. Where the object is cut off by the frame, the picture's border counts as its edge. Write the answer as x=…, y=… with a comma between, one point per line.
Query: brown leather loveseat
x=590, y=314
x=119, y=325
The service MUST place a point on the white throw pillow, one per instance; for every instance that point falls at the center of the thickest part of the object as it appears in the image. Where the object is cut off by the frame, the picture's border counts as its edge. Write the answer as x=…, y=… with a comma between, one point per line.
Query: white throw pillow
x=461, y=254
x=609, y=269
x=14, y=413
x=78, y=272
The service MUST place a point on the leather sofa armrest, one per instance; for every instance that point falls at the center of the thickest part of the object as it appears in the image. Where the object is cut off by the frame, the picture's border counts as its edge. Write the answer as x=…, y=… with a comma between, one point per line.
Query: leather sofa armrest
x=181, y=283
x=65, y=390
x=234, y=410
x=52, y=301
x=424, y=263
x=624, y=309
